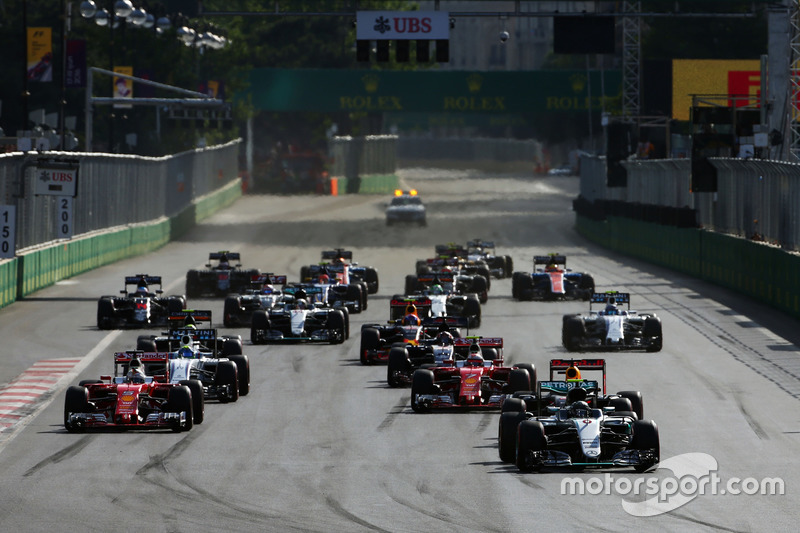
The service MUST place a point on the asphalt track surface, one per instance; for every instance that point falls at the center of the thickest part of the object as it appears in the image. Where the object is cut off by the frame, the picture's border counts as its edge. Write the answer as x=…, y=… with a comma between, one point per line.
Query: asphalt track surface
x=322, y=444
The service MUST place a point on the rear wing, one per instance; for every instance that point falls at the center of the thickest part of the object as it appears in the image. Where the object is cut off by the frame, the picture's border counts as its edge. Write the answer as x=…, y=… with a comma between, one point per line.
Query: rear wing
x=483, y=342
x=561, y=388
x=449, y=250
x=478, y=243
x=554, y=259
x=560, y=366
x=339, y=253
x=177, y=319
x=146, y=279
x=145, y=357
x=610, y=297
x=272, y=279
x=448, y=321
x=232, y=256
x=432, y=279
x=397, y=307
x=206, y=337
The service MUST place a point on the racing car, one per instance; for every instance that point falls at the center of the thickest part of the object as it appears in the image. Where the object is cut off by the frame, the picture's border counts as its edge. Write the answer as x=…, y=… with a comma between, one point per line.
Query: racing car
x=340, y=289
x=364, y=274
x=220, y=276
x=140, y=308
x=129, y=399
x=220, y=366
x=239, y=308
x=612, y=328
x=447, y=296
x=471, y=286
x=443, y=349
x=406, y=206
x=551, y=280
x=500, y=266
x=573, y=424
x=473, y=383
x=456, y=258
x=378, y=339
x=295, y=319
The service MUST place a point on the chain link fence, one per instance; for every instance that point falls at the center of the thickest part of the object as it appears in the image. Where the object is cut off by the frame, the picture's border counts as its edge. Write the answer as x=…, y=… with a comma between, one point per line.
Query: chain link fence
x=113, y=190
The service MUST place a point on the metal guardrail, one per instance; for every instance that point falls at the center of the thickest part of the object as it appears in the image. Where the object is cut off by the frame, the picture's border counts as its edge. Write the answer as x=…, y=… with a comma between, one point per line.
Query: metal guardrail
x=113, y=190
x=756, y=199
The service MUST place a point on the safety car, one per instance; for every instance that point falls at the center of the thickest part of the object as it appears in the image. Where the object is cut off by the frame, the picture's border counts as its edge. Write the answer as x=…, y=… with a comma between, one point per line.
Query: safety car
x=139, y=308
x=406, y=207
x=551, y=280
x=614, y=327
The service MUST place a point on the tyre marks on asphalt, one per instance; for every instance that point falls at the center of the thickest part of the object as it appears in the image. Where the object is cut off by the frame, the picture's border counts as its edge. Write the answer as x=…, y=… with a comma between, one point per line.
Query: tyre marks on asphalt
x=18, y=398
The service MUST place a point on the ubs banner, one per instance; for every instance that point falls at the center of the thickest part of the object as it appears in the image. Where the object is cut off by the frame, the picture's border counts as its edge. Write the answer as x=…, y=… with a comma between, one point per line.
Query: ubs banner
x=565, y=91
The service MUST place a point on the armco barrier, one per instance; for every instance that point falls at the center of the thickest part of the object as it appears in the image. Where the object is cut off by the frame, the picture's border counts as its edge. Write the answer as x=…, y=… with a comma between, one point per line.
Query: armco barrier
x=42, y=267
x=763, y=272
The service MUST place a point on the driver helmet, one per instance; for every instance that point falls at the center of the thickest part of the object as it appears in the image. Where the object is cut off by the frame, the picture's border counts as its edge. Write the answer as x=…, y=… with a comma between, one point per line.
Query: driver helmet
x=135, y=374
x=475, y=358
x=267, y=289
x=551, y=267
x=437, y=289
x=445, y=338
x=301, y=303
x=411, y=309
x=579, y=409
x=411, y=320
x=185, y=353
x=447, y=269
x=141, y=290
x=573, y=374
x=611, y=309
x=190, y=326
x=324, y=279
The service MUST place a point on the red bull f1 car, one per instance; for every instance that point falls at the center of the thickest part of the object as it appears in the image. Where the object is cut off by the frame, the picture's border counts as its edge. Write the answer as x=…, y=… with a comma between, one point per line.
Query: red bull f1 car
x=129, y=400
x=551, y=280
x=614, y=327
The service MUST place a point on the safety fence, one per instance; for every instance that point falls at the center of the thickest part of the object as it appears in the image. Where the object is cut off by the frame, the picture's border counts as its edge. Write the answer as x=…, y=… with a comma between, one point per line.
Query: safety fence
x=124, y=206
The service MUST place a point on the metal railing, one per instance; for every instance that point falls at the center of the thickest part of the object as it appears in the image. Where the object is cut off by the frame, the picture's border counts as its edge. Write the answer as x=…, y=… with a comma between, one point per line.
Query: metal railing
x=113, y=190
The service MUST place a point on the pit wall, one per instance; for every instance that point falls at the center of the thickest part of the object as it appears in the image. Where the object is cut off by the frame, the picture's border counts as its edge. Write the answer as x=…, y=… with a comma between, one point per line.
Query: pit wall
x=763, y=272
x=44, y=266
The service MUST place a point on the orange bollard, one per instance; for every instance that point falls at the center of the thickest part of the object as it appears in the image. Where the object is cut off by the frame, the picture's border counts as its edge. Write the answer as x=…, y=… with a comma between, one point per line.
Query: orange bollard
x=334, y=186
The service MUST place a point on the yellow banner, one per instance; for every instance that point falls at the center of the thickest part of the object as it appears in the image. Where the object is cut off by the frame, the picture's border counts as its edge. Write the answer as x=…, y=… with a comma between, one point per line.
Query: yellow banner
x=40, y=54
x=123, y=88
x=712, y=76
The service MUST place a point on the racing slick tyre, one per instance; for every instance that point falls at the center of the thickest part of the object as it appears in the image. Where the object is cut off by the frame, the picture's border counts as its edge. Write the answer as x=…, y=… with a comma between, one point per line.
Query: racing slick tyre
x=346, y=314
x=530, y=438
x=355, y=294
x=76, y=401
x=645, y=437
x=398, y=364
x=233, y=304
x=422, y=267
x=621, y=405
x=518, y=379
x=227, y=375
x=372, y=279
x=507, y=434
x=522, y=286
x=486, y=274
x=175, y=304
x=513, y=405
x=652, y=333
x=198, y=399
x=421, y=383
x=573, y=333
x=412, y=284
x=305, y=274
x=180, y=400
x=587, y=286
x=637, y=403
x=364, y=294
x=489, y=354
x=480, y=286
x=531, y=373
x=231, y=347
x=259, y=326
x=472, y=311
x=336, y=324
x=515, y=277
x=370, y=340
x=242, y=363
x=105, y=313
x=509, y=266
x=193, y=286
x=146, y=343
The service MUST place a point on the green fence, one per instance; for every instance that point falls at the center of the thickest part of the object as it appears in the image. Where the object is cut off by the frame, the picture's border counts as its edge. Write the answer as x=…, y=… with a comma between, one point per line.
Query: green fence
x=765, y=273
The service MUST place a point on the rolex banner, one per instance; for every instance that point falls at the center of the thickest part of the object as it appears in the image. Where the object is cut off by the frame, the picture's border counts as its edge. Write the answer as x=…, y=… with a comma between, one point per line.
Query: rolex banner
x=40, y=54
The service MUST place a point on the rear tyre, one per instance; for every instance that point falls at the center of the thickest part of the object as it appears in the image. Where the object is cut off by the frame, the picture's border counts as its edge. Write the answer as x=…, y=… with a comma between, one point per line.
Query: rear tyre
x=372, y=280
x=180, y=400
x=574, y=333
x=518, y=380
x=75, y=401
x=507, y=435
x=198, y=399
x=421, y=383
x=230, y=310
x=259, y=325
x=472, y=311
x=652, y=333
x=637, y=402
x=531, y=373
x=370, y=340
x=105, y=313
x=412, y=284
x=232, y=347
x=242, y=363
x=146, y=343
x=530, y=438
x=227, y=376
x=193, y=289
x=398, y=364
